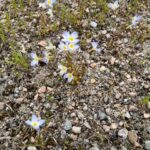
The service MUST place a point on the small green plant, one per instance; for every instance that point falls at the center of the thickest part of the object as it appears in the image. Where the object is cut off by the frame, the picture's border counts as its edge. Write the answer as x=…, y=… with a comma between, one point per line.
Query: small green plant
x=18, y=59
x=2, y=33
x=145, y=100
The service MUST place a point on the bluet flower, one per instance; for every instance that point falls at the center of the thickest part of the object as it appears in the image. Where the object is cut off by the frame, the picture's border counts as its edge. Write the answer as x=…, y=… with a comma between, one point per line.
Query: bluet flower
x=114, y=5
x=63, y=46
x=46, y=57
x=35, y=59
x=50, y=2
x=69, y=77
x=62, y=69
x=136, y=19
x=70, y=37
x=73, y=47
x=95, y=46
x=35, y=122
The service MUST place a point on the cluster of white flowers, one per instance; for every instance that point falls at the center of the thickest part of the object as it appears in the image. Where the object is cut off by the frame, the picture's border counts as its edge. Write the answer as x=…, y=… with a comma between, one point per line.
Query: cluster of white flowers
x=49, y=5
x=65, y=74
x=69, y=42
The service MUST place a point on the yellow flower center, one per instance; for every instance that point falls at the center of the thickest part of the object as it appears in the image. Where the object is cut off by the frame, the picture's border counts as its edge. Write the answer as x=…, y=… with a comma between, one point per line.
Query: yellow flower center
x=71, y=46
x=64, y=69
x=71, y=38
x=34, y=124
x=49, y=2
x=70, y=75
x=65, y=47
x=36, y=59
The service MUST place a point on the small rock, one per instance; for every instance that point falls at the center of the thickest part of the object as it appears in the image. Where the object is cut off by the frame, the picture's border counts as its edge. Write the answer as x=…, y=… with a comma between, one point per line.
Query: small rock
x=42, y=43
x=102, y=115
x=80, y=115
x=76, y=129
x=93, y=65
x=112, y=60
x=146, y=115
x=1, y=105
x=94, y=148
x=113, y=148
x=106, y=128
x=103, y=68
x=148, y=105
x=19, y=100
x=73, y=137
x=93, y=24
x=31, y=148
x=148, y=129
x=118, y=95
x=132, y=136
x=147, y=145
x=123, y=133
x=127, y=115
x=123, y=148
x=132, y=108
x=114, y=126
x=86, y=124
x=93, y=80
x=67, y=125
x=42, y=89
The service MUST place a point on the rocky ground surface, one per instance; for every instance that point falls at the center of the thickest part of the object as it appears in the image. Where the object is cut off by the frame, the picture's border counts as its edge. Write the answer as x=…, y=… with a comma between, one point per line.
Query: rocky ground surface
x=109, y=109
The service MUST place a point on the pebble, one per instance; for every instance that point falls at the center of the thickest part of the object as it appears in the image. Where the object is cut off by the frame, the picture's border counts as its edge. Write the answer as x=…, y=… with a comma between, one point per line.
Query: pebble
x=19, y=100
x=87, y=125
x=31, y=148
x=113, y=148
x=67, y=125
x=146, y=115
x=93, y=80
x=114, y=126
x=42, y=89
x=94, y=148
x=42, y=43
x=127, y=115
x=148, y=129
x=1, y=105
x=147, y=144
x=102, y=115
x=123, y=133
x=76, y=129
x=132, y=136
x=106, y=128
x=148, y=105
x=103, y=68
x=73, y=137
x=93, y=24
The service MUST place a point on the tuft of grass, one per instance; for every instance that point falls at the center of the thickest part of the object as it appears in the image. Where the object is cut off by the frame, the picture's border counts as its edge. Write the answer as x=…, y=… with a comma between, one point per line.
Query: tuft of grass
x=18, y=59
x=145, y=100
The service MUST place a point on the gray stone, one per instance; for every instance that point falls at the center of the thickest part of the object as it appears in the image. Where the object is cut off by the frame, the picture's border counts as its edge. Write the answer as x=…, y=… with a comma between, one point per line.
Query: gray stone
x=147, y=145
x=67, y=125
x=148, y=129
x=102, y=115
x=123, y=133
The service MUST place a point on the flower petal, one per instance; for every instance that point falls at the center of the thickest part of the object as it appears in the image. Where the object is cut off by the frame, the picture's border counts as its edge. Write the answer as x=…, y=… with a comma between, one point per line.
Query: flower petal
x=34, y=118
x=41, y=122
x=33, y=55
x=74, y=34
x=34, y=63
x=66, y=34
x=28, y=122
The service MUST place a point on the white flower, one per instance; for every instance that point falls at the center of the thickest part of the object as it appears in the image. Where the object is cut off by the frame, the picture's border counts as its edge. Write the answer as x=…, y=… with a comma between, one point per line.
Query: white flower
x=63, y=46
x=35, y=122
x=35, y=59
x=95, y=47
x=114, y=5
x=73, y=47
x=69, y=77
x=49, y=12
x=62, y=69
x=46, y=57
x=42, y=5
x=50, y=2
x=136, y=19
x=93, y=24
x=70, y=37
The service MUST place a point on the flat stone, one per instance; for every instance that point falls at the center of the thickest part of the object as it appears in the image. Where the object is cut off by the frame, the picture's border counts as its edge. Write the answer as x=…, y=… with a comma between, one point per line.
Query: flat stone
x=76, y=129
x=42, y=89
x=106, y=128
x=147, y=145
x=1, y=105
x=102, y=115
x=123, y=133
x=67, y=125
